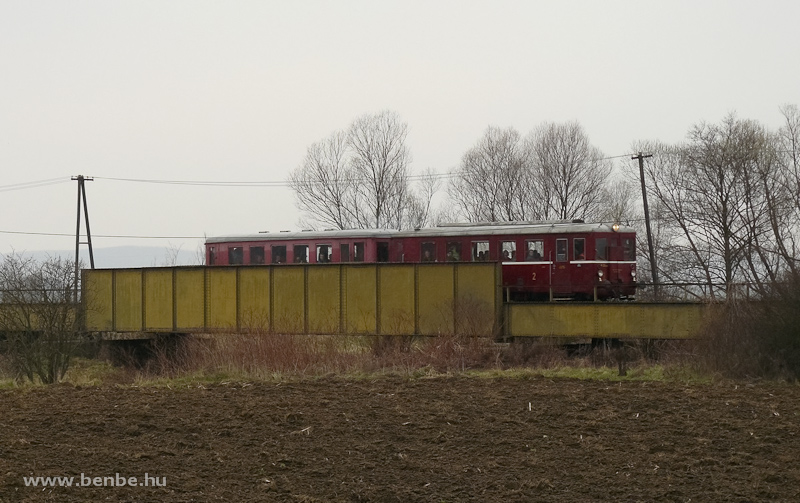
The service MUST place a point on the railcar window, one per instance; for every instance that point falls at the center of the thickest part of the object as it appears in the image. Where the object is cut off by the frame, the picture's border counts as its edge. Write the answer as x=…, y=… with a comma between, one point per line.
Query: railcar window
x=453, y=251
x=211, y=256
x=508, y=251
x=256, y=254
x=534, y=250
x=579, y=249
x=344, y=253
x=236, y=255
x=300, y=254
x=428, y=252
x=629, y=249
x=324, y=254
x=480, y=251
x=561, y=250
x=600, y=249
x=383, y=251
x=358, y=252
x=278, y=254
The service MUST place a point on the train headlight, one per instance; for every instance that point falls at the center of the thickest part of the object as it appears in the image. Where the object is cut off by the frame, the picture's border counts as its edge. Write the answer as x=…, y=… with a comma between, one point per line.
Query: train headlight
x=615, y=227
x=633, y=274
x=600, y=273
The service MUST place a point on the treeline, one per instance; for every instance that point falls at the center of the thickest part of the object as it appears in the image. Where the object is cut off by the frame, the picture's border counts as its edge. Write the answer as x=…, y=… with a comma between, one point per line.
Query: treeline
x=725, y=203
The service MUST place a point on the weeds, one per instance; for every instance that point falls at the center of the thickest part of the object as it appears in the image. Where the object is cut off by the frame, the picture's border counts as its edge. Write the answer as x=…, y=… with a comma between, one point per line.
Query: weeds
x=259, y=356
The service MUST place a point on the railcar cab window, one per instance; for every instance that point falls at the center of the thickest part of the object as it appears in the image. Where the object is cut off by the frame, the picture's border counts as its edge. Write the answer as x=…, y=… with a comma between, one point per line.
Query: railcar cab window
x=480, y=251
x=561, y=250
x=211, y=256
x=344, y=253
x=324, y=254
x=454, y=251
x=278, y=254
x=300, y=254
x=508, y=251
x=579, y=249
x=358, y=252
x=428, y=252
x=235, y=255
x=256, y=255
x=600, y=247
x=629, y=249
x=534, y=250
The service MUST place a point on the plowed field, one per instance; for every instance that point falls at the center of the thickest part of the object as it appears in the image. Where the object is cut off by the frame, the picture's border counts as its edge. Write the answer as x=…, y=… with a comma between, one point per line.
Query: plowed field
x=431, y=440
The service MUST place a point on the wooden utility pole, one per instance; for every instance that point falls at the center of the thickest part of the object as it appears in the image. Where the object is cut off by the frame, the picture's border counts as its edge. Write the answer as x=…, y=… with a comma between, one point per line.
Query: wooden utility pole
x=641, y=157
x=82, y=195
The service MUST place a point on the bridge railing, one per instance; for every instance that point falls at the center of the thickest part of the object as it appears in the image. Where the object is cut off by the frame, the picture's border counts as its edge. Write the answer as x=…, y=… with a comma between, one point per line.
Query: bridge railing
x=396, y=299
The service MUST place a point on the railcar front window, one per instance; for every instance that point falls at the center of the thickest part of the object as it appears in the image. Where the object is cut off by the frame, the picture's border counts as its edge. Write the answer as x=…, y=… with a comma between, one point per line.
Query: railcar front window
x=453, y=251
x=278, y=254
x=534, y=250
x=256, y=255
x=358, y=249
x=629, y=249
x=561, y=250
x=480, y=251
x=508, y=251
x=428, y=252
x=235, y=255
x=579, y=249
x=600, y=249
x=211, y=256
x=344, y=253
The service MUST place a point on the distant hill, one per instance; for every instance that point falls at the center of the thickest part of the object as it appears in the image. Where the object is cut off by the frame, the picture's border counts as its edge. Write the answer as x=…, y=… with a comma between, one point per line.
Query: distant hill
x=125, y=256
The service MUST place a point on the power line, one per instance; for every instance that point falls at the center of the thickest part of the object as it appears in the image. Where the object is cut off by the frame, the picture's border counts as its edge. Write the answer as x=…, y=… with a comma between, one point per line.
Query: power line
x=220, y=183
x=34, y=184
x=273, y=183
x=99, y=235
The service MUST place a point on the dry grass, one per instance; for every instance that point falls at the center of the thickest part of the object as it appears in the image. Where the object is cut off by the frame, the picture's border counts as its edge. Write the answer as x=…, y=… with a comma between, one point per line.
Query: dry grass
x=269, y=356
x=264, y=355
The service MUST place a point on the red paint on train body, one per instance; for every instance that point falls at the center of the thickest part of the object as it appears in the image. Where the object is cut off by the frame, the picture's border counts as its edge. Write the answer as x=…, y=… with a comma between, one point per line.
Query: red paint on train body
x=541, y=260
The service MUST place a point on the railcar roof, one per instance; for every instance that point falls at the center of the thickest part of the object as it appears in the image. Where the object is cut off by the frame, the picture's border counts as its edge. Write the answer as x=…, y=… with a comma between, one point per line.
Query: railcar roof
x=448, y=230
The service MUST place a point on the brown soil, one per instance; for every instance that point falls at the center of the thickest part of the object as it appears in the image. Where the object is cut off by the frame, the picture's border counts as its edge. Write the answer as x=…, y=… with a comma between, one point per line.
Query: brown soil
x=432, y=440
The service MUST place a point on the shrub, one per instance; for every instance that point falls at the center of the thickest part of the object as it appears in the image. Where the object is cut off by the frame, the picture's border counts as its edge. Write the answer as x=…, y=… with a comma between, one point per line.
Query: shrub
x=39, y=317
x=756, y=339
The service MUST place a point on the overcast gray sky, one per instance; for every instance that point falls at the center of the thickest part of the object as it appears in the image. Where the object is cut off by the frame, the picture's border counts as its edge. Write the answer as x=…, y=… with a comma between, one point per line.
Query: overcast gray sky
x=237, y=91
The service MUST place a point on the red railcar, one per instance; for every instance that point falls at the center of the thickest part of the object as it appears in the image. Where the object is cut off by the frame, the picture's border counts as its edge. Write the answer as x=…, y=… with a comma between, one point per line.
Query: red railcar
x=541, y=260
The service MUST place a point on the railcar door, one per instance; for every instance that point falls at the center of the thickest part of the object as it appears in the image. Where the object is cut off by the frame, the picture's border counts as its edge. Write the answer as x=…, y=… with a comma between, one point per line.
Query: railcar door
x=560, y=268
x=581, y=272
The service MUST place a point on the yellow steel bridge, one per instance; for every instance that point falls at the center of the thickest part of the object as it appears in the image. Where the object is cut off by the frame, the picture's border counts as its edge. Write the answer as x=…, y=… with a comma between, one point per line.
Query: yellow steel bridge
x=382, y=299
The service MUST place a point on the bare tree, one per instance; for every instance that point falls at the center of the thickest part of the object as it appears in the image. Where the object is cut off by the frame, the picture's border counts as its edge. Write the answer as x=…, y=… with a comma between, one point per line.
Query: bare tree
x=569, y=174
x=727, y=165
x=678, y=260
x=788, y=151
x=721, y=206
x=419, y=200
x=360, y=178
x=38, y=316
x=324, y=185
x=619, y=202
x=493, y=181
x=555, y=173
x=380, y=162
